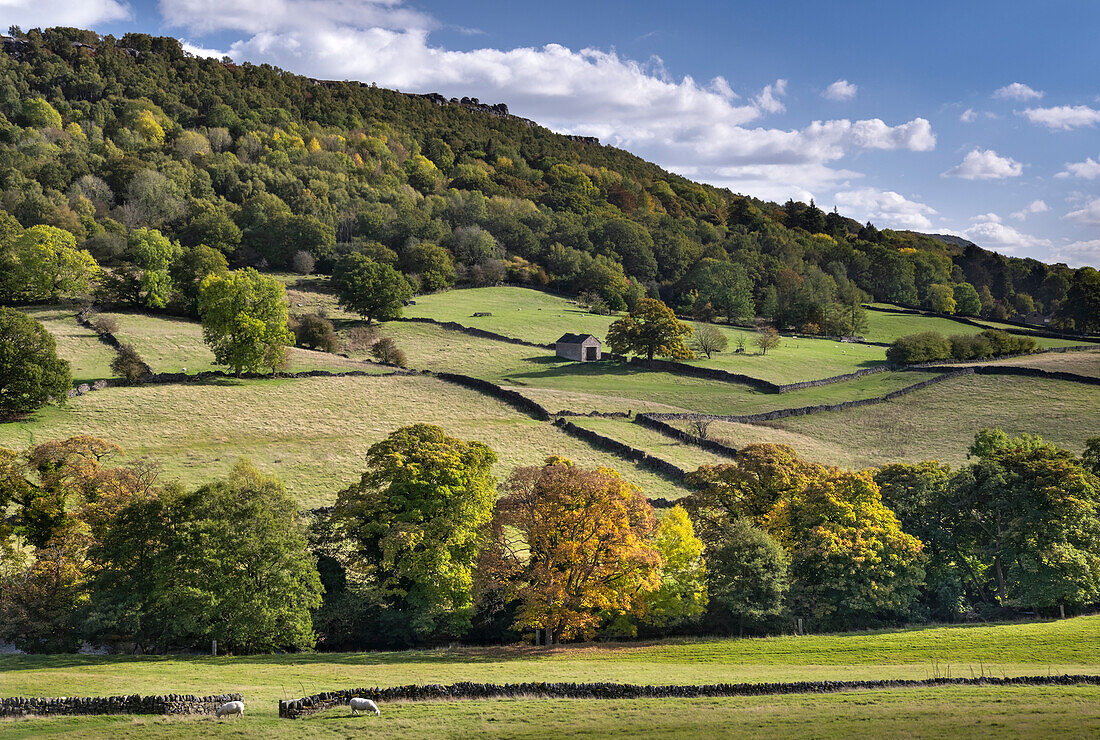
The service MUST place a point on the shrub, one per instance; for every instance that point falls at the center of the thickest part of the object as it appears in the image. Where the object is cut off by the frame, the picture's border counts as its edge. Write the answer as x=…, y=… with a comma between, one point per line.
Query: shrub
x=1004, y=343
x=927, y=346
x=105, y=324
x=970, y=347
x=128, y=364
x=302, y=262
x=316, y=333
x=386, y=350
x=361, y=339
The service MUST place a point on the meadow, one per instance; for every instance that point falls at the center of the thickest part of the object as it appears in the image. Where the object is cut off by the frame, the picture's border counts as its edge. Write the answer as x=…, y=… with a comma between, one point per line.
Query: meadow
x=1036, y=648
x=89, y=359
x=312, y=432
x=886, y=326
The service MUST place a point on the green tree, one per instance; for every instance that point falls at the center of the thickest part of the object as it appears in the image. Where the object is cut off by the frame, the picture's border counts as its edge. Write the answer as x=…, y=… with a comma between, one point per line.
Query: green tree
x=433, y=264
x=748, y=573
x=154, y=253
x=1082, y=303
x=650, y=329
x=244, y=317
x=191, y=269
x=40, y=114
x=709, y=340
x=43, y=264
x=941, y=298
x=374, y=291
x=682, y=597
x=410, y=528
x=766, y=338
x=727, y=287
x=227, y=562
x=967, y=300
x=30, y=372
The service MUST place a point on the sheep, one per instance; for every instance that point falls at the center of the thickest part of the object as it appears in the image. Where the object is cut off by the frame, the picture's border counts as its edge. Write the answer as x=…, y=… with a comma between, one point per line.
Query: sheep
x=231, y=709
x=365, y=705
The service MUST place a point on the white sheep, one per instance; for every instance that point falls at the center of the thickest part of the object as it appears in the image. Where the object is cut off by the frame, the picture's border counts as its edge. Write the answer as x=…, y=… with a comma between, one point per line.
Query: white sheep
x=365, y=705
x=230, y=709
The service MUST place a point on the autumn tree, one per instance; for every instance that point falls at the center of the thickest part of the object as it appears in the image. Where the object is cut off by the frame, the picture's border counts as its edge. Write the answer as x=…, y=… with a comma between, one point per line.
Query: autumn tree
x=851, y=563
x=709, y=340
x=650, y=329
x=374, y=291
x=31, y=374
x=682, y=596
x=572, y=546
x=244, y=316
x=941, y=298
x=766, y=338
x=410, y=531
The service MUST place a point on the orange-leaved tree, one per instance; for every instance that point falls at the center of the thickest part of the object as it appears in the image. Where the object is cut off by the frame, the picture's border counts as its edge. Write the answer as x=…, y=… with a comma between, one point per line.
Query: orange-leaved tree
x=572, y=546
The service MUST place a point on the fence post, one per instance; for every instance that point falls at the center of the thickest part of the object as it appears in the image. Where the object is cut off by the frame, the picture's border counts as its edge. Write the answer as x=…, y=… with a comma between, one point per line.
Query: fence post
x=213, y=647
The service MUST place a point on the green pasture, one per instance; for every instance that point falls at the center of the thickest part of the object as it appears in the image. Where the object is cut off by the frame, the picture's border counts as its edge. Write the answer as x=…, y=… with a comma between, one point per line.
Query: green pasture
x=1037, y=648
x=1085, y=362
x=886, y=326
x=89, y=359
x=313, y=433
x=935, y=423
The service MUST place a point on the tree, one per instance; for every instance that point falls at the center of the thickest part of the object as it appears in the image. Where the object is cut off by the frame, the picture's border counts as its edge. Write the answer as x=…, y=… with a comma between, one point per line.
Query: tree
x=727, y=288
x=40, y=114
x=191, y=269
x=227, y=562
x=766, y=338
x=386, y=350
x=433, y=264
x=30, y=372
x=571, y=545
x=154, y=253
x=314, y=332
x=411, y=528
x=244, y=317
x=650, y=329
x=748, y=573
x=709, y=340
x=941, y=298
x=851, y=563
x=1082, y=303
x=43, y=264
x=967, y=301
x=1090, y=458
x=128, y=364
x=682, y=596
x=374, y=291
x=1030, y=512
x=927, y=346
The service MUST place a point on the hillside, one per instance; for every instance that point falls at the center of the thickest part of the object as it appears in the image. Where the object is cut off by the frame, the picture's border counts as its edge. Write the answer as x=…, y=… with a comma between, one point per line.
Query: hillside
x=102, y=136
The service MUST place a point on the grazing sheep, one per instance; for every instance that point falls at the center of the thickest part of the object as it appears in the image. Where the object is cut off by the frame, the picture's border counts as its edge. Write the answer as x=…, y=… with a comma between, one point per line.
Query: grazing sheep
x=230, y=709
x=365, y=705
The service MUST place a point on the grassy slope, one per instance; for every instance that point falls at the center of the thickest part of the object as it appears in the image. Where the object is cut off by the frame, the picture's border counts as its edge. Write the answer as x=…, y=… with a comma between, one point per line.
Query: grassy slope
x=1082, y=363
x=312, y=433
x=938, y=422
x=89, y=358
x=683, y=454
x=1035, y=648
x=888, y=326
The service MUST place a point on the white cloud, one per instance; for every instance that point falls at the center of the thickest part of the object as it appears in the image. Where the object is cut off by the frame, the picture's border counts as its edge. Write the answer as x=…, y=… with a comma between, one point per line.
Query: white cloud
x=885, y=208
x=201, y=51
x=768, y=99
x=1017, y=91
x=1035, y=206
x=1078, y=254
x=1063, y=117
x=840, y=90
x=988, y=231
x=46, y=13
x=276, y=16
x=1089, y=169
x=968, y=116
x=1089, y=215
x=985, y=164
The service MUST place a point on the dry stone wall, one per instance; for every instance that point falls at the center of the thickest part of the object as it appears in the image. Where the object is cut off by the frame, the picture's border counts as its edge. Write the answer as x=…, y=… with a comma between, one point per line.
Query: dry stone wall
x=19, y=706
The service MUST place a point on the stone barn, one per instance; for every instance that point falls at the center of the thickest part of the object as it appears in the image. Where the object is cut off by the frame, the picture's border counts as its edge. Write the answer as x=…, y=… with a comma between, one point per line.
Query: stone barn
x=578, y=347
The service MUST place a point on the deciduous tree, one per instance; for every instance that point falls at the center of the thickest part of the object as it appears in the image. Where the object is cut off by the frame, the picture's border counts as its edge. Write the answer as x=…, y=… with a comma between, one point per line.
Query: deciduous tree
x=650, y=329
x=244, y=317
x=374, y=291
x=31, y=374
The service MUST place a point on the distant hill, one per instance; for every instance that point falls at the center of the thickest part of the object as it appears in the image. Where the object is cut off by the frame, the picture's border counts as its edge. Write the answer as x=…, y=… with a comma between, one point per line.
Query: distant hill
x=101, y=136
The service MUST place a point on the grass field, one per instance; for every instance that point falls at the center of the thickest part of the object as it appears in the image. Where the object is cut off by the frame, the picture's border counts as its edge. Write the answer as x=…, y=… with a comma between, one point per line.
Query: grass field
x=1082, y=363
x=89, y=358
x=169, y=345
x=685, y=455
x=888, y=326
x=312, y=433
x=938, y=422
x=1067, y=646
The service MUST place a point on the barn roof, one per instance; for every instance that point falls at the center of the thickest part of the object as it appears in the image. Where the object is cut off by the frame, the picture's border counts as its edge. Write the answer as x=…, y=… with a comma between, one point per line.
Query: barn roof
x=576, y=338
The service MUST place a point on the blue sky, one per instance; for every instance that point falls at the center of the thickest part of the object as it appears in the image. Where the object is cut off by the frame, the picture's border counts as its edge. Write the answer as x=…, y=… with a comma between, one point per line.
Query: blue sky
x=979, y=119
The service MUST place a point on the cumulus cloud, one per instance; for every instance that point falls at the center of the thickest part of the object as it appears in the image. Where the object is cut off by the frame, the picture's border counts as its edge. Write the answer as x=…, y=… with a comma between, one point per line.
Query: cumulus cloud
x=45, y=13
x=968, y=116
x=201, y=51
x=840, y=90
x=987, y=230
x=1017, y=91
x=1078, y=254
x=1088, y=170
x=885, y=208
x=985, y=164
x=275, y=16
x=1063, y=117
x=769, y=98
x=1035, y=206
x=1089, y=215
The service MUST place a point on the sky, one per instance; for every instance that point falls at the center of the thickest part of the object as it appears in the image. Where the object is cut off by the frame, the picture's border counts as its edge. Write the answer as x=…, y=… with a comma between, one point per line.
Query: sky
x=980, y=119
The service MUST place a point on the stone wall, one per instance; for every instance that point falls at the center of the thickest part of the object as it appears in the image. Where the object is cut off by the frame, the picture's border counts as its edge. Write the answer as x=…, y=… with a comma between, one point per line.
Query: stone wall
x=19, y=706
